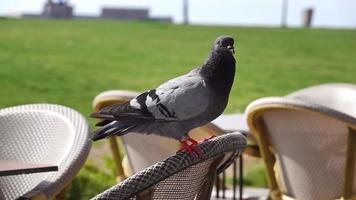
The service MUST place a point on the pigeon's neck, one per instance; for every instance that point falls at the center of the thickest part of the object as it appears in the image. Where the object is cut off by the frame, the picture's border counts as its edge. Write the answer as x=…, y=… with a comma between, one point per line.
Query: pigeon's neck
x=219, y=70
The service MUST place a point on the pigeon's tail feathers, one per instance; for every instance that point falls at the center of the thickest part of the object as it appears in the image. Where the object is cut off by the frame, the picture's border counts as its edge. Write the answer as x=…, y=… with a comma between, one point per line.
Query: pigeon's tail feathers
x=135, y=115
x=103, y=122
x=113, y=128
x=102, y=116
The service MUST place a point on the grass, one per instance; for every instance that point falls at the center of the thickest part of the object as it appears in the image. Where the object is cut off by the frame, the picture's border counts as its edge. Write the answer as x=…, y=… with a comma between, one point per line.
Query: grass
x=91, y=181
x=254, y=176
x=69, y=62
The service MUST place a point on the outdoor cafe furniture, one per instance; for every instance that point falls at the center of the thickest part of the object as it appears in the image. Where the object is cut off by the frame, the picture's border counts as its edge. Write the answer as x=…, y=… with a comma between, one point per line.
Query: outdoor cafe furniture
x=233, y=122
x=48, y=134
x=238, y=122
x=14, y=167
x=181, y=176
x=308, y=140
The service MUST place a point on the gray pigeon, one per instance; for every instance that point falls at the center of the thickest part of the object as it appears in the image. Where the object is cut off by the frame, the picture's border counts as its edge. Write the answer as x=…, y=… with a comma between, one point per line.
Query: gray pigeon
x=178, y=105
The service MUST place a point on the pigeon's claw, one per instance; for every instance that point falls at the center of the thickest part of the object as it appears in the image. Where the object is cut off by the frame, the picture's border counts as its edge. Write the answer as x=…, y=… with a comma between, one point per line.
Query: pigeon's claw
x=190, y=145
x=194, y=142
x=209, y=138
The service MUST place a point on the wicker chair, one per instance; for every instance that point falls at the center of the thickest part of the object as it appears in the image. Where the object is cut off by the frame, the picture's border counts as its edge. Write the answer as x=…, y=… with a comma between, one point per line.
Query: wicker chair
x=181, y=176
x=43, y=133
x=308, y=142
x=142, y=150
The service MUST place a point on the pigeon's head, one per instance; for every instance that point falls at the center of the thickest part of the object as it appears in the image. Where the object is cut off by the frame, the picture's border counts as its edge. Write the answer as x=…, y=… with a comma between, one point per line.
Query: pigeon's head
x=224, y=43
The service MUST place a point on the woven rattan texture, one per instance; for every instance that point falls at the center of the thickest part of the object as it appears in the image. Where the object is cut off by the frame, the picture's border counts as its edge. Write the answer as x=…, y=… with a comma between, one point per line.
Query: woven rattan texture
x=190, y=182
x=340, y=97
x=311, y=150
x=310, y=142
x=43, y=133
x=153, y=175
x=184, y=185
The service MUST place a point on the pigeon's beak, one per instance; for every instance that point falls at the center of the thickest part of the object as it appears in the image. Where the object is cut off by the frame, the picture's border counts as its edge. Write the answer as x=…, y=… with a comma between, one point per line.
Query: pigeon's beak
x=231, y=48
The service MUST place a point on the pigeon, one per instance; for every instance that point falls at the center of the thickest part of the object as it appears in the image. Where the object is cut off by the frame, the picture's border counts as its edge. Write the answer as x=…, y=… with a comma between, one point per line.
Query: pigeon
x=178, y=105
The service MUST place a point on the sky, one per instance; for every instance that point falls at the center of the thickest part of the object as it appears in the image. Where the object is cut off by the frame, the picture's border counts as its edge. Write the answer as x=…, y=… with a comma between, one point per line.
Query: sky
x=327, y=13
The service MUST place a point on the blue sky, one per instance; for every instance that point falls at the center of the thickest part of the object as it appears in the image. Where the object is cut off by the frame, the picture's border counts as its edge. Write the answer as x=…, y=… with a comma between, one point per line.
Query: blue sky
x=328, y=13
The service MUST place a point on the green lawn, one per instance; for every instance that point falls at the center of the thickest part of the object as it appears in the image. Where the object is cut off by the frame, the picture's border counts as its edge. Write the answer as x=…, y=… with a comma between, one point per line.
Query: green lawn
x=69, y=62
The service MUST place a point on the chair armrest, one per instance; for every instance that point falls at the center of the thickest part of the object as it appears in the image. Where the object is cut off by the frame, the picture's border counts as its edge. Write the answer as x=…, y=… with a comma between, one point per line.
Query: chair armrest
x=33, y=195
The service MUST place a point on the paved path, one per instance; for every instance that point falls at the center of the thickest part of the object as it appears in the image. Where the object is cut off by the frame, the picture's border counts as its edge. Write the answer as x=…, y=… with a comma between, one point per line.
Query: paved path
x=249, y=194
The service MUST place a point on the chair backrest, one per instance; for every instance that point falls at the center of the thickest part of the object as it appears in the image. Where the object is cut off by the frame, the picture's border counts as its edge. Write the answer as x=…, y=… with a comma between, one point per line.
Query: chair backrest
x=181, y=176
x=310, y=147
x=338, y=96
x=145, y=150
x=42, y=133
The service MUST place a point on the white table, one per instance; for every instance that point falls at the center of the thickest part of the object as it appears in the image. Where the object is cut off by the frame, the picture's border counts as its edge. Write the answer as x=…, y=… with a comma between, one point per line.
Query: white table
x=232, y=122
x=12, y=167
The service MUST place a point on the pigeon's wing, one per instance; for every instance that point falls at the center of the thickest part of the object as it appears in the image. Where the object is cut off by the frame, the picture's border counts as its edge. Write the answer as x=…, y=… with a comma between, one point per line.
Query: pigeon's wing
x=179, y=99
x=126, y=111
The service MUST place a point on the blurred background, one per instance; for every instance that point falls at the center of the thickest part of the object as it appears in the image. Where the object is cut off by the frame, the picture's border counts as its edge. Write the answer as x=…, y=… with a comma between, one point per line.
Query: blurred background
x=291, y=13
x=67, y=52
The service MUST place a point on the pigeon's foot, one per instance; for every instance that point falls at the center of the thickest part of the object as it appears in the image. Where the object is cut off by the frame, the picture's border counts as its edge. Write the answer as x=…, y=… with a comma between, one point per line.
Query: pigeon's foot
x=190, y=145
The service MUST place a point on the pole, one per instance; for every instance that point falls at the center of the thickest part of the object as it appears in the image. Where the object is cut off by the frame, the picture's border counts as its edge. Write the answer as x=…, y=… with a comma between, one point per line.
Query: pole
x=284, y=13
x=185, y=12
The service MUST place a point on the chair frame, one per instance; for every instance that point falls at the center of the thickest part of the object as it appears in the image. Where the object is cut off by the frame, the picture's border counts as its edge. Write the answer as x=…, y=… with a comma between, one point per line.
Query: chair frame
x=259, y=130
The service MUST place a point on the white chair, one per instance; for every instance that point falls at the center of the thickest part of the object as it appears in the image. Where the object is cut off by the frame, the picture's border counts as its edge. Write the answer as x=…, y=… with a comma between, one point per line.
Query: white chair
x=42, y=133
x=308, y=142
